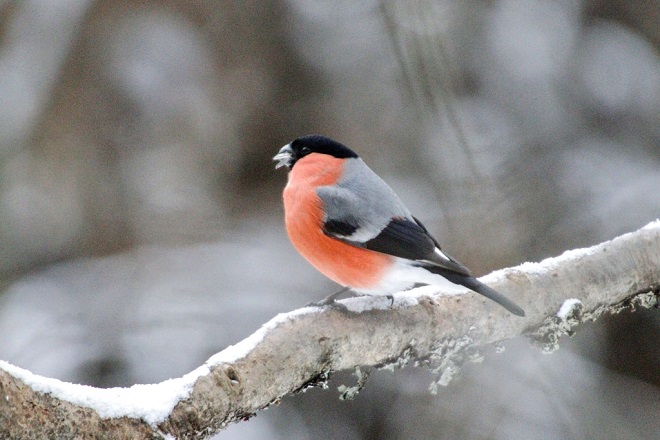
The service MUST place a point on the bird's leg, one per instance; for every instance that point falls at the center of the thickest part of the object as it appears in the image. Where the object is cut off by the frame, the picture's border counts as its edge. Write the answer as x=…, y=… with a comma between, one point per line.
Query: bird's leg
x=391, y=298
x=329, y=300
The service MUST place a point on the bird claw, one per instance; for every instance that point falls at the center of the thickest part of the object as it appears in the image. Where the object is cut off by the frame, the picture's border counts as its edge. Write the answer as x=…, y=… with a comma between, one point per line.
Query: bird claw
x=322, y=303
x=329, y=302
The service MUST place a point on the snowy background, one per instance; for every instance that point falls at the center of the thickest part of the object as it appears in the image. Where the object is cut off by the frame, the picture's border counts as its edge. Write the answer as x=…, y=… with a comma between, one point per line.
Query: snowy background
x=141, y=224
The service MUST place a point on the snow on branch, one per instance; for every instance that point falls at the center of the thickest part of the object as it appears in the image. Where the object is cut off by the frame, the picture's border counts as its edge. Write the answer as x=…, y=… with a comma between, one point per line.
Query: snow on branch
x=300, y=349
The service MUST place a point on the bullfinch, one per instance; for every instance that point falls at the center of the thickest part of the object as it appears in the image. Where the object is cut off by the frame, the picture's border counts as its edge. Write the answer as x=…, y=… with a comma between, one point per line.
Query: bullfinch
x=352, y=227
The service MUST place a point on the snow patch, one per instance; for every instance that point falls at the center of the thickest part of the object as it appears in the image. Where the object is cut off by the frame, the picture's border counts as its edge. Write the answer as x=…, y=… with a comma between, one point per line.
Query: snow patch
x=150, y=402
x=411, y=297
x=653, y=225
x=567, y=308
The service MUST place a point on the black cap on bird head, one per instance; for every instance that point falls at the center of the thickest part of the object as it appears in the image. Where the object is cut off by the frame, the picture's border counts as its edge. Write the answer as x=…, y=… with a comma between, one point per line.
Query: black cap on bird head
x=313, y=143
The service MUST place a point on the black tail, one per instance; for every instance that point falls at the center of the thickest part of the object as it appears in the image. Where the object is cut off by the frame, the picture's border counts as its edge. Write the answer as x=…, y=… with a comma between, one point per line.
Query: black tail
x=479, y=287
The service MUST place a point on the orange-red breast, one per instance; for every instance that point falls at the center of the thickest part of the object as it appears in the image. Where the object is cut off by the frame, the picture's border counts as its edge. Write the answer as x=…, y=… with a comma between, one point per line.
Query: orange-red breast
x=352, y=227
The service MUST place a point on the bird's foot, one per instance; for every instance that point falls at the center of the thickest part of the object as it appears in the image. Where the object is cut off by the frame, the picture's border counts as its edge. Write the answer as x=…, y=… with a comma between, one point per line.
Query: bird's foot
x=333, y=303
x=330, y=300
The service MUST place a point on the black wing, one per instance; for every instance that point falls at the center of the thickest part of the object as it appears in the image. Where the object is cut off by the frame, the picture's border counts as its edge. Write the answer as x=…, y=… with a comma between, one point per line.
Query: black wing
x=402, y=238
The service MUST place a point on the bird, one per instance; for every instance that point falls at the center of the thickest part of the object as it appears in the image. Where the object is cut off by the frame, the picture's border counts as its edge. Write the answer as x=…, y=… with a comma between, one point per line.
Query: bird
x=354, y=229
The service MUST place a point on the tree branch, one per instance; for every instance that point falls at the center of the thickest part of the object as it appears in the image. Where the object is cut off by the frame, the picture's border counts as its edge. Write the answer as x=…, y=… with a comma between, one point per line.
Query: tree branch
x=301, y=348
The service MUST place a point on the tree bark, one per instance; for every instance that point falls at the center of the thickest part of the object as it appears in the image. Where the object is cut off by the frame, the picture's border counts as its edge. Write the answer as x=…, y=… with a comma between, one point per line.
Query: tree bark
x=302, y=348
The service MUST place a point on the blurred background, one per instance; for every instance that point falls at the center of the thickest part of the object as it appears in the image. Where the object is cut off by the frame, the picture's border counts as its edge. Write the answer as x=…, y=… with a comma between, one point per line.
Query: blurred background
x=141, y=226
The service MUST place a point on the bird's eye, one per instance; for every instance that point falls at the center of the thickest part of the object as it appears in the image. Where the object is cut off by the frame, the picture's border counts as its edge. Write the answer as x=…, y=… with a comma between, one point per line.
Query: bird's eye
x=305, y=150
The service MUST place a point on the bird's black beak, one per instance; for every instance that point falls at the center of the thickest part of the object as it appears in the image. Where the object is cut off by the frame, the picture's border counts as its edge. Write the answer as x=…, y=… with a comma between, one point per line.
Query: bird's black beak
x=284, y=157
